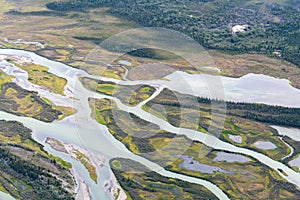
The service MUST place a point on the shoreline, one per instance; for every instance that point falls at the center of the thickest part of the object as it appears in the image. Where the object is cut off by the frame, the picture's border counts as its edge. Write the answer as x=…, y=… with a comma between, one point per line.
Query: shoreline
x=111, y=185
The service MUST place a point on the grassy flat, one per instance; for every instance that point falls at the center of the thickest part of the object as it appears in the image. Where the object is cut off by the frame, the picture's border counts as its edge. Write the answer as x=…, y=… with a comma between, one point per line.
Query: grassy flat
x=19, y=101
x=39, y=75
x=247, y=121
x=131, y=174
x=130, y=95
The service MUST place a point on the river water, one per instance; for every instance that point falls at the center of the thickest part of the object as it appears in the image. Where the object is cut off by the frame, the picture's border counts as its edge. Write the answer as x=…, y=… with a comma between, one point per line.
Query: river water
x=83, y=131
x=293, y=133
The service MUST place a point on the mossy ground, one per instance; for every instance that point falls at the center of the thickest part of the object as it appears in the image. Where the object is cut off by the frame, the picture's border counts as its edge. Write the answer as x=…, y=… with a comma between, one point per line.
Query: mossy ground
x=87, y=164
x=142, y=184
x=39, y=75
x=129, y=95
x=188, y=113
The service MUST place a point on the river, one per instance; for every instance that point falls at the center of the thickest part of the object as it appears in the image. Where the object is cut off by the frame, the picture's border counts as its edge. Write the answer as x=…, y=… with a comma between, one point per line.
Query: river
x=82, y=130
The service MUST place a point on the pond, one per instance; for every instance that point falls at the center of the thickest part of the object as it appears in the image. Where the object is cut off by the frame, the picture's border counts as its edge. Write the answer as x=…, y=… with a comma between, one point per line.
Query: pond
x=190, y=164
x=266, y=145
x=230, y=157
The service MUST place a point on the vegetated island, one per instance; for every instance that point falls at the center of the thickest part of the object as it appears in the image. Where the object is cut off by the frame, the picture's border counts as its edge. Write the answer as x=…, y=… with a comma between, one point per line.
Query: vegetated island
x=29, y=172
x=21, y=102
x=140, y=183
x=76, y=153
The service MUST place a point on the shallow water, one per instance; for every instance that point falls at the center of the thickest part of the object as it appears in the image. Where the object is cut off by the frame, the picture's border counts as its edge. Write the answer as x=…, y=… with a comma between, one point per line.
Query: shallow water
x=125, y=62
x=4, y=196
x=293, y=133
x=230, y=157
x=236, y=138
x=266, y=145
x=295, y=162
x=251, y=88
x=290, y=147
x=190, y=164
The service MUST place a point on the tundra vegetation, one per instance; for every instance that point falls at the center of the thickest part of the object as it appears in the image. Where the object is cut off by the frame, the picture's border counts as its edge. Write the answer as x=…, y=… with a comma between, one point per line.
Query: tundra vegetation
x=39, y=75
x=249, y=121
x=141, y=183
x=237, y=179
x=130, y=95
x=21, y=102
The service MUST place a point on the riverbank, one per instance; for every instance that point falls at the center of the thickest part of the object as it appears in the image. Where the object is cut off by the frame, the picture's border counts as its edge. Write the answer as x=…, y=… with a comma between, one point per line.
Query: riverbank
x=77, y=154
x=29, y=178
